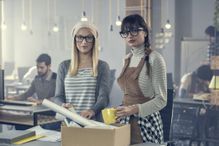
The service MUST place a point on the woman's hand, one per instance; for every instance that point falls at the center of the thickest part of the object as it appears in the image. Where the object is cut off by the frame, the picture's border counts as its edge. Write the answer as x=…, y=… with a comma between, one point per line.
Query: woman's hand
x=87, y=113
x=67, y=105
x=122, y=111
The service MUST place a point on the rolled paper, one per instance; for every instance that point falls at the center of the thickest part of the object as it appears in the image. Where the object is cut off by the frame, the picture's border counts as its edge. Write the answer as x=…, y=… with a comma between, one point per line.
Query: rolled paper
x=61, y=117
x=71, y=115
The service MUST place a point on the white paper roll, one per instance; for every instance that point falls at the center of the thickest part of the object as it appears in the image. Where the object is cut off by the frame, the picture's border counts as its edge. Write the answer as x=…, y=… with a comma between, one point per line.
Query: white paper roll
x=71, y=115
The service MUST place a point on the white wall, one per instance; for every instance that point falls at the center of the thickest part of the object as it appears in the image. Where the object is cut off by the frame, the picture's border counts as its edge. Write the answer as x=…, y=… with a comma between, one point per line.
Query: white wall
x=167, y=13
x=202, y=16
x=191, y=19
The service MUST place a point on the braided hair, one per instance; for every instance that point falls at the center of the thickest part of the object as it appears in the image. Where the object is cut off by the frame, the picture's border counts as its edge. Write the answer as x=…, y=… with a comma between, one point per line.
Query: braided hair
x=136, y=21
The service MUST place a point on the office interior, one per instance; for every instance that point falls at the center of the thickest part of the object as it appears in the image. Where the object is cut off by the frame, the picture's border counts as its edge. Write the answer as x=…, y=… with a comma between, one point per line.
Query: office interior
x=32, y=27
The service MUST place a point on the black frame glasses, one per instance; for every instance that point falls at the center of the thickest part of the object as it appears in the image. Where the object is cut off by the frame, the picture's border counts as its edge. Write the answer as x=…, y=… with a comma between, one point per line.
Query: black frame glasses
x=88, y=38
x=132, y=32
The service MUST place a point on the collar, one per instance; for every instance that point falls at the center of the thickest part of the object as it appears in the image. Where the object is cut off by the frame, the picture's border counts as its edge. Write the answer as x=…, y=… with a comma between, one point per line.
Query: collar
x=138, y=51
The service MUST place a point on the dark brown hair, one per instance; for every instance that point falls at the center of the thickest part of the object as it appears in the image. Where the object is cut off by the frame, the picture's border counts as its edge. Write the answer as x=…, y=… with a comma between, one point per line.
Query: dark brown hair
x=135, y=21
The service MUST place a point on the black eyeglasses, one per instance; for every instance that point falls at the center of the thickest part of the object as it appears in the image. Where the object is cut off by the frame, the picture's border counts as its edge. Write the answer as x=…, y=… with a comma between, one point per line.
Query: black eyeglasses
x=80, y=38
x=132, y=32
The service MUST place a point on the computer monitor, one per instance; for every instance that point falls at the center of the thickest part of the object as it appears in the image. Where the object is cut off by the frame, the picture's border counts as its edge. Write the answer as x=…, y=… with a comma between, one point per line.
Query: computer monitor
x=2, y=88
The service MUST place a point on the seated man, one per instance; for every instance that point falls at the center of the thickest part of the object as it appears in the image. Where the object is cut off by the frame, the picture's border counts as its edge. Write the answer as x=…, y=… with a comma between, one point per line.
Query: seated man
x=196, y=82
x=43, y=86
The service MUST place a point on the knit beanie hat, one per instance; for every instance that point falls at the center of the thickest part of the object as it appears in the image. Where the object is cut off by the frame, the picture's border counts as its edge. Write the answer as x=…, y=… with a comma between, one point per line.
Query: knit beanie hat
x=84, y=24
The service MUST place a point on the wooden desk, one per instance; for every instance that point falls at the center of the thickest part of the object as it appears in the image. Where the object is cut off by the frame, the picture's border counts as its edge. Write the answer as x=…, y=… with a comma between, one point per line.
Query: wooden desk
x=25, y=115
x=190, y=101
x=17, y=87
x=21, y=88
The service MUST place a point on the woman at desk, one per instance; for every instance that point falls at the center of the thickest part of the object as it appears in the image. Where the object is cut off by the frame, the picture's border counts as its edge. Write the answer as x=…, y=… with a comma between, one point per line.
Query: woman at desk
x=195, y=85
x=83, y=82
x=196, y=82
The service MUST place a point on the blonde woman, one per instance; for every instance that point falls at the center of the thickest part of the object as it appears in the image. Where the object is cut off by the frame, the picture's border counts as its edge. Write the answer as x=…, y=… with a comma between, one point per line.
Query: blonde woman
x=83, y=81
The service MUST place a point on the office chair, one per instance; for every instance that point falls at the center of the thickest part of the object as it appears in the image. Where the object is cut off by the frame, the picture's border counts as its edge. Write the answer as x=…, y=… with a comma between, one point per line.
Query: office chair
x=2, y=87
x=112, y=79
x=8, y=68
x=21, y=72
x=167, y=111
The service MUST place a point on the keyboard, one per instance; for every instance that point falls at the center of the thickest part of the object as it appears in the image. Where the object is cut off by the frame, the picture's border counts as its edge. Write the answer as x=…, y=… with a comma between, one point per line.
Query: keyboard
x=15, y=102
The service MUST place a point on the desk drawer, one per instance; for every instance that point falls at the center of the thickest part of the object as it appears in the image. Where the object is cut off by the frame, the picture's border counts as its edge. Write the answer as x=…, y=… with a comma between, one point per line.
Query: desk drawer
x=187, y=111
x=183, y=128
x=184, y=120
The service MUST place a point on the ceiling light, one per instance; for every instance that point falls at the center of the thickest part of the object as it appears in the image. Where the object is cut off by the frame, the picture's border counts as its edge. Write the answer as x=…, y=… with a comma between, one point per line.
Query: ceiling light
x=118, y=21
x=55, y=28
x=168, y=25
x=84, y=18
x=23, y=26
x=3, y=26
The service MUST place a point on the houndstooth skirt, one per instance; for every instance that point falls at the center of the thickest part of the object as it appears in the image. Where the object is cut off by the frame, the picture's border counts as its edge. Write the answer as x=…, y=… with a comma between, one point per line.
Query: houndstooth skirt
x=151, y=127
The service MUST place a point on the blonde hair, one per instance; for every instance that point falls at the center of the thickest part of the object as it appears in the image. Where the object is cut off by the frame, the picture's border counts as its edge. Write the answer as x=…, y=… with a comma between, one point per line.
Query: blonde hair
x=73, y=69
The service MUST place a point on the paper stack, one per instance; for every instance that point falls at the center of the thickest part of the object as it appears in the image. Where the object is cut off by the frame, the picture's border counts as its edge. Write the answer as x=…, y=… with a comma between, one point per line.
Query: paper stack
x=13, y=136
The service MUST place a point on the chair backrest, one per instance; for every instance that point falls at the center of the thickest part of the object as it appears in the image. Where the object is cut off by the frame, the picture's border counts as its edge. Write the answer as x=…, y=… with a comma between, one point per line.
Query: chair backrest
x=166, y=112
x=2, y=84
x=8, y=68
x=21, y=72
x=112, y=78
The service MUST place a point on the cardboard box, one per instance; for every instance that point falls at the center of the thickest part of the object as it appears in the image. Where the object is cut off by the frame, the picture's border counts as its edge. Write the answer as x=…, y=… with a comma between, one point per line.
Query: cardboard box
x=74, y=136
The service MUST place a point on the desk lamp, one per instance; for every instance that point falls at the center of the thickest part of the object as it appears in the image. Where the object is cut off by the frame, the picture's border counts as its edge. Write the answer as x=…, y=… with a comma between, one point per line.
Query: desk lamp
x=214, y=84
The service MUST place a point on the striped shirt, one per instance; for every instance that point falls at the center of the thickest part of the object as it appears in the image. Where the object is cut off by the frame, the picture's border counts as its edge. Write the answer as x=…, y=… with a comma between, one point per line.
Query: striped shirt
x=80, y=89
x=151, y=86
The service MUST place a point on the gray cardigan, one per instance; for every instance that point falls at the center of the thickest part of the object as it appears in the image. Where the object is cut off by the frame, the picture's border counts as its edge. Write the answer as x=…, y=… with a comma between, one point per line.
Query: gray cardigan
x=102, y=87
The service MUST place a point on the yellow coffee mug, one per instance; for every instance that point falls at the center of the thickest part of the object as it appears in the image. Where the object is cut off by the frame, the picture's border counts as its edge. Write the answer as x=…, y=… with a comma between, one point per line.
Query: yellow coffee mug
x=109, y=115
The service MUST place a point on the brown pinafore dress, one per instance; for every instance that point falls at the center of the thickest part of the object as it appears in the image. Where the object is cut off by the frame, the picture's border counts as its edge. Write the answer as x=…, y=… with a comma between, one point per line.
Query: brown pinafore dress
x=128, y=81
